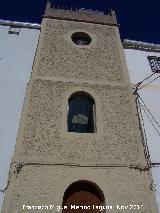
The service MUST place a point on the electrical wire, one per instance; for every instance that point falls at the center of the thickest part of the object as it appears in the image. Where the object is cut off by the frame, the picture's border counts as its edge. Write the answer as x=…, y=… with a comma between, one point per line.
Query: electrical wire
x=149, y=112
x=143, y=133
x=149, y=82
x=144, y=107
x=138, y=84
x=150, y=119
x=9, y=179
x=19, y=167
x=156, y=164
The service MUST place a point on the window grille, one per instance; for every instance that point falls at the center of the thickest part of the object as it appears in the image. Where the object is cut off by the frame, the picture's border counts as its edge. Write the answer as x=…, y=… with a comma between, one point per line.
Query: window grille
x=81, y=114
x=14, y=30
x=154, y=63
x=81, y=38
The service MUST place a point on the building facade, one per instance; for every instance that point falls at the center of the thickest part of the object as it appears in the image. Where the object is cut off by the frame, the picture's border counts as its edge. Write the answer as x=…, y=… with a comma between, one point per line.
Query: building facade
x=18, y=43
x=96, y=148
x=143, y=62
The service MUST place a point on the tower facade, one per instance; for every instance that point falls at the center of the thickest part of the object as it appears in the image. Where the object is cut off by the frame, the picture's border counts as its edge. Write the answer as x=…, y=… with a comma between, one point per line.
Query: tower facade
x=79, y=143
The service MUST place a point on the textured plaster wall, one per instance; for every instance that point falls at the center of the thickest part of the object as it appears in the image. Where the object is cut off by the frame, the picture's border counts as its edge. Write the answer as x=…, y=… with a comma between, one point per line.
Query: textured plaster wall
x=61, y=68
x=97, y=68
x=45, y=138
x=61, y=58
x=45, y=185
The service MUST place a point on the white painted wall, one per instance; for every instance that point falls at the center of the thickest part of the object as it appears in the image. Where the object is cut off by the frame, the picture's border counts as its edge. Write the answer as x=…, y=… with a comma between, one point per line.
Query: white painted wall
x=139, y=69
x=16, y=59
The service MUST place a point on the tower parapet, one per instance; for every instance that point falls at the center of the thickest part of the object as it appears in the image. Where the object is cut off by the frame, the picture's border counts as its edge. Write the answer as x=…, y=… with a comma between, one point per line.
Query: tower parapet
x=80, y=15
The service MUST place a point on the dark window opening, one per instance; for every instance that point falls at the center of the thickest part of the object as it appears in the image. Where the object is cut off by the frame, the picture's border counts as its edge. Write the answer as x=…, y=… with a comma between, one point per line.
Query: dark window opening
x=154, y=63
x=14, y=30
x=81, y=114
x=80, y=38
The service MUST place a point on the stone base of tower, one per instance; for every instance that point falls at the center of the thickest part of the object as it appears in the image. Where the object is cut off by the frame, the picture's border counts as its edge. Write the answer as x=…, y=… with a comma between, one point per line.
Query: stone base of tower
x=45, y=185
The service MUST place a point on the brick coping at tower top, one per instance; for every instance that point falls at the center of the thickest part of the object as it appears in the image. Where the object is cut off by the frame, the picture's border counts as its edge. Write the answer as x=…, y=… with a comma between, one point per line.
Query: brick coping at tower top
x=80, y=15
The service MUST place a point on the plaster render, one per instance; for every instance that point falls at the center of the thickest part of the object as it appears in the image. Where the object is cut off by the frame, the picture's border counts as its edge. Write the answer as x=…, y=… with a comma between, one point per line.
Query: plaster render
x=46, y=138
x=60, y=58
x=122, y=186
x=80, y=15
x=59, y=70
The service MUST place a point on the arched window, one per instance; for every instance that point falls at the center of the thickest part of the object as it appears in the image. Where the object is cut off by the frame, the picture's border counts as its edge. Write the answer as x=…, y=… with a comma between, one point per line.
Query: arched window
x=83, y=194
x=81, y=114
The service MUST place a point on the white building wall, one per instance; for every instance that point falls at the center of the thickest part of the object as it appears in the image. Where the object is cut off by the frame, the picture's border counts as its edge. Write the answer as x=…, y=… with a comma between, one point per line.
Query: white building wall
x=139, y=68
x=16, y=59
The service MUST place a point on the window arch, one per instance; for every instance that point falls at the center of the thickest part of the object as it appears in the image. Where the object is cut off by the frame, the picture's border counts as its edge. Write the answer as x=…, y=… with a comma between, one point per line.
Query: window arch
x=81, y=113
x=83, y=194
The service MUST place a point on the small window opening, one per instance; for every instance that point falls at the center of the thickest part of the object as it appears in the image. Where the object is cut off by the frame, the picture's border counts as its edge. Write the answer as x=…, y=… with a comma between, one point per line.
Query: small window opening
x=81, y=114
x=14, y=30
x=154, y=63
x=81, y=38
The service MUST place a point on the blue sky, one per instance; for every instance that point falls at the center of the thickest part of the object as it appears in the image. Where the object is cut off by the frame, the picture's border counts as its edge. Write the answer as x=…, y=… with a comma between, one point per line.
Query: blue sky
x=139, y=20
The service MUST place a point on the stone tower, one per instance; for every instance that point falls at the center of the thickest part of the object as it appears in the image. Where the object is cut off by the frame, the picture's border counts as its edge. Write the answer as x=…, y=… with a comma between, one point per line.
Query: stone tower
x=79, y=141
